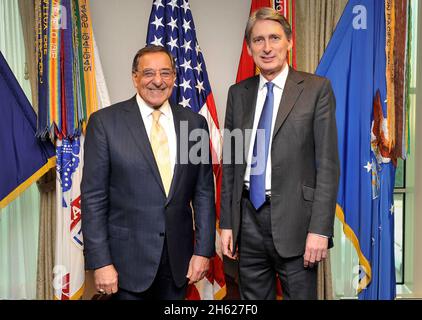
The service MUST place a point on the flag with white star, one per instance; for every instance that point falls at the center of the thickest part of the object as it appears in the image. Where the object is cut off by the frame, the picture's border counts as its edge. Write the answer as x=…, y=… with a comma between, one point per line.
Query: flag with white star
x=171, y=25
x=355, y=62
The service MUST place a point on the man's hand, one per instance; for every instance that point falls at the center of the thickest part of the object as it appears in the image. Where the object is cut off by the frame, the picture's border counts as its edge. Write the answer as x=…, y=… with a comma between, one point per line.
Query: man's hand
x=316, y=249
x=106, y=279
x=198, y=268
x=227, y=243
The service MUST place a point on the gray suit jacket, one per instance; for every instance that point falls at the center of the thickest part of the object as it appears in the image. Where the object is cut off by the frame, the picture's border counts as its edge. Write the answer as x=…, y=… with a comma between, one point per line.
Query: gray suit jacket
x=125, y=212
x=305, y=164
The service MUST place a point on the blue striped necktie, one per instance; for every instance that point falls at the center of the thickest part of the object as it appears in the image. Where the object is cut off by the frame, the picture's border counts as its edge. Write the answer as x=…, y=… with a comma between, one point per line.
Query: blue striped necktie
x=261, y=151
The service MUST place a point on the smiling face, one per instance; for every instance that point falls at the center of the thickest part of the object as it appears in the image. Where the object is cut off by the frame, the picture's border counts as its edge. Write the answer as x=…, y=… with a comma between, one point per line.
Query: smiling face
x=154, y=78
x=268, y=47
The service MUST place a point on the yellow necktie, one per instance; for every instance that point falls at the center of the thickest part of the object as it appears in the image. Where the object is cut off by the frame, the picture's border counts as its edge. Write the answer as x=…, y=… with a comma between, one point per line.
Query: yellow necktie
x=160, y=148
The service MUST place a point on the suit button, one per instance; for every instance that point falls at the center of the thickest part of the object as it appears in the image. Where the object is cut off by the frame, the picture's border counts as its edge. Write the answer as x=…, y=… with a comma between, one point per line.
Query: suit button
x=162, y=234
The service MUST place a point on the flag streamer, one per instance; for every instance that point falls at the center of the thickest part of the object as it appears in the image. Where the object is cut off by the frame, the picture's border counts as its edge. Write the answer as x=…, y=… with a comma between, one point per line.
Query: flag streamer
x=66, y=68
x=67, y=97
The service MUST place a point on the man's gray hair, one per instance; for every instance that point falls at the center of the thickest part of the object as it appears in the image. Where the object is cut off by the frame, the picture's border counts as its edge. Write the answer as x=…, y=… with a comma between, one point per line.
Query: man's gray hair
x=267, y=13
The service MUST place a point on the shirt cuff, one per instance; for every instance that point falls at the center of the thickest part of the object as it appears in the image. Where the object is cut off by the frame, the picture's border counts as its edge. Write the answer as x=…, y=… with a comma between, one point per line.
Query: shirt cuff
x=321, y=235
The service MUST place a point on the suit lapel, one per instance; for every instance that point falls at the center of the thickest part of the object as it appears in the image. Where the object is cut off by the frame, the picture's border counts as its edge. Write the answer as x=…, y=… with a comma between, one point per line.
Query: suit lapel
x=178, y=168
x=291, y=92
x=249, y=97
x=139, y=133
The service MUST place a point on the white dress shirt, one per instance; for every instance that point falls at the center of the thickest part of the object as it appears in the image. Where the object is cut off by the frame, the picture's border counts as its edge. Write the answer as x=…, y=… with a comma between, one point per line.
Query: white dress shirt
x=279, y=83
x=166, y=121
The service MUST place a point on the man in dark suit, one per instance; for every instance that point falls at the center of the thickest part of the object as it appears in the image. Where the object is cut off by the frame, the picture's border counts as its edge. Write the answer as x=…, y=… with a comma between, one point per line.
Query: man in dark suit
x=137, y=194
x=278, y=202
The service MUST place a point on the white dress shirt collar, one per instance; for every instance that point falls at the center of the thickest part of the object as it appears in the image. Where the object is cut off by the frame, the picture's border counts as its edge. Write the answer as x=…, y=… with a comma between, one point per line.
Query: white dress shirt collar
x=147, y=111
x=279, y=81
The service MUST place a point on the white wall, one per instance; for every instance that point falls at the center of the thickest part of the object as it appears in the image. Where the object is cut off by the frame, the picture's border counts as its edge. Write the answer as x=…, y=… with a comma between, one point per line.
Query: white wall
x=120, y=28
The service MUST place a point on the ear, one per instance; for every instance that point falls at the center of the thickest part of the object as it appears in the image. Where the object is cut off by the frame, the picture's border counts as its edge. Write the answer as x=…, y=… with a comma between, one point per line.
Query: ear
x=135, y=79
x=249, y=49
x=290, y=44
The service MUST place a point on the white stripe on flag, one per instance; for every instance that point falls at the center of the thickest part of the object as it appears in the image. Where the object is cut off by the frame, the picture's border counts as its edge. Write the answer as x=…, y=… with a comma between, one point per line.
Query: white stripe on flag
x=215, y=134
x=102, y=91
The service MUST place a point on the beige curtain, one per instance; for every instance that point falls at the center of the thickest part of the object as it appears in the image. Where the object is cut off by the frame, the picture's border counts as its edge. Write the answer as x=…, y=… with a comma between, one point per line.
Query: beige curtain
x=27, y=11
x=315, y=23
x=47, y=236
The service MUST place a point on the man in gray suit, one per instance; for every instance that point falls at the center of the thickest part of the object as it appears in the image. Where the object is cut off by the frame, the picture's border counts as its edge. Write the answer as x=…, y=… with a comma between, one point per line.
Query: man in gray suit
x=137, y=219
x=278, y=203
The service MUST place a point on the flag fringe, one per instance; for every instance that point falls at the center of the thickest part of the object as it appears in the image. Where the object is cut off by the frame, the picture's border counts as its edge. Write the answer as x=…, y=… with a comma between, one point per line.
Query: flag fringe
x=51, y=163
x=221, y=293
x=363, y=261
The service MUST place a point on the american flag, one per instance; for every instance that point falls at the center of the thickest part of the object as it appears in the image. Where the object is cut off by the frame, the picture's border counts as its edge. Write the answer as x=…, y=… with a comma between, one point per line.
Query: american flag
x=171, y=25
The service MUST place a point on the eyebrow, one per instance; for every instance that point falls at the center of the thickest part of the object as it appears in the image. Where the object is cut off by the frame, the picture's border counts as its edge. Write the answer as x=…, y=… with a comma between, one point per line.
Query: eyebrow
x=162, y=69
x=270, y=35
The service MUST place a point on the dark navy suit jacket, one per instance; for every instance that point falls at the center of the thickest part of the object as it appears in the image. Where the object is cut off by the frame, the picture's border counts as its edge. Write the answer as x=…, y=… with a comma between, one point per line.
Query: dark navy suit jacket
x=125, y=212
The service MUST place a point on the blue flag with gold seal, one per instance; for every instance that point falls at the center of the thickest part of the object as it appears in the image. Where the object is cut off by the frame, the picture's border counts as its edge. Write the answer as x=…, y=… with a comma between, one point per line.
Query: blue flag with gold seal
x=23, y=158
x=355, y=62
